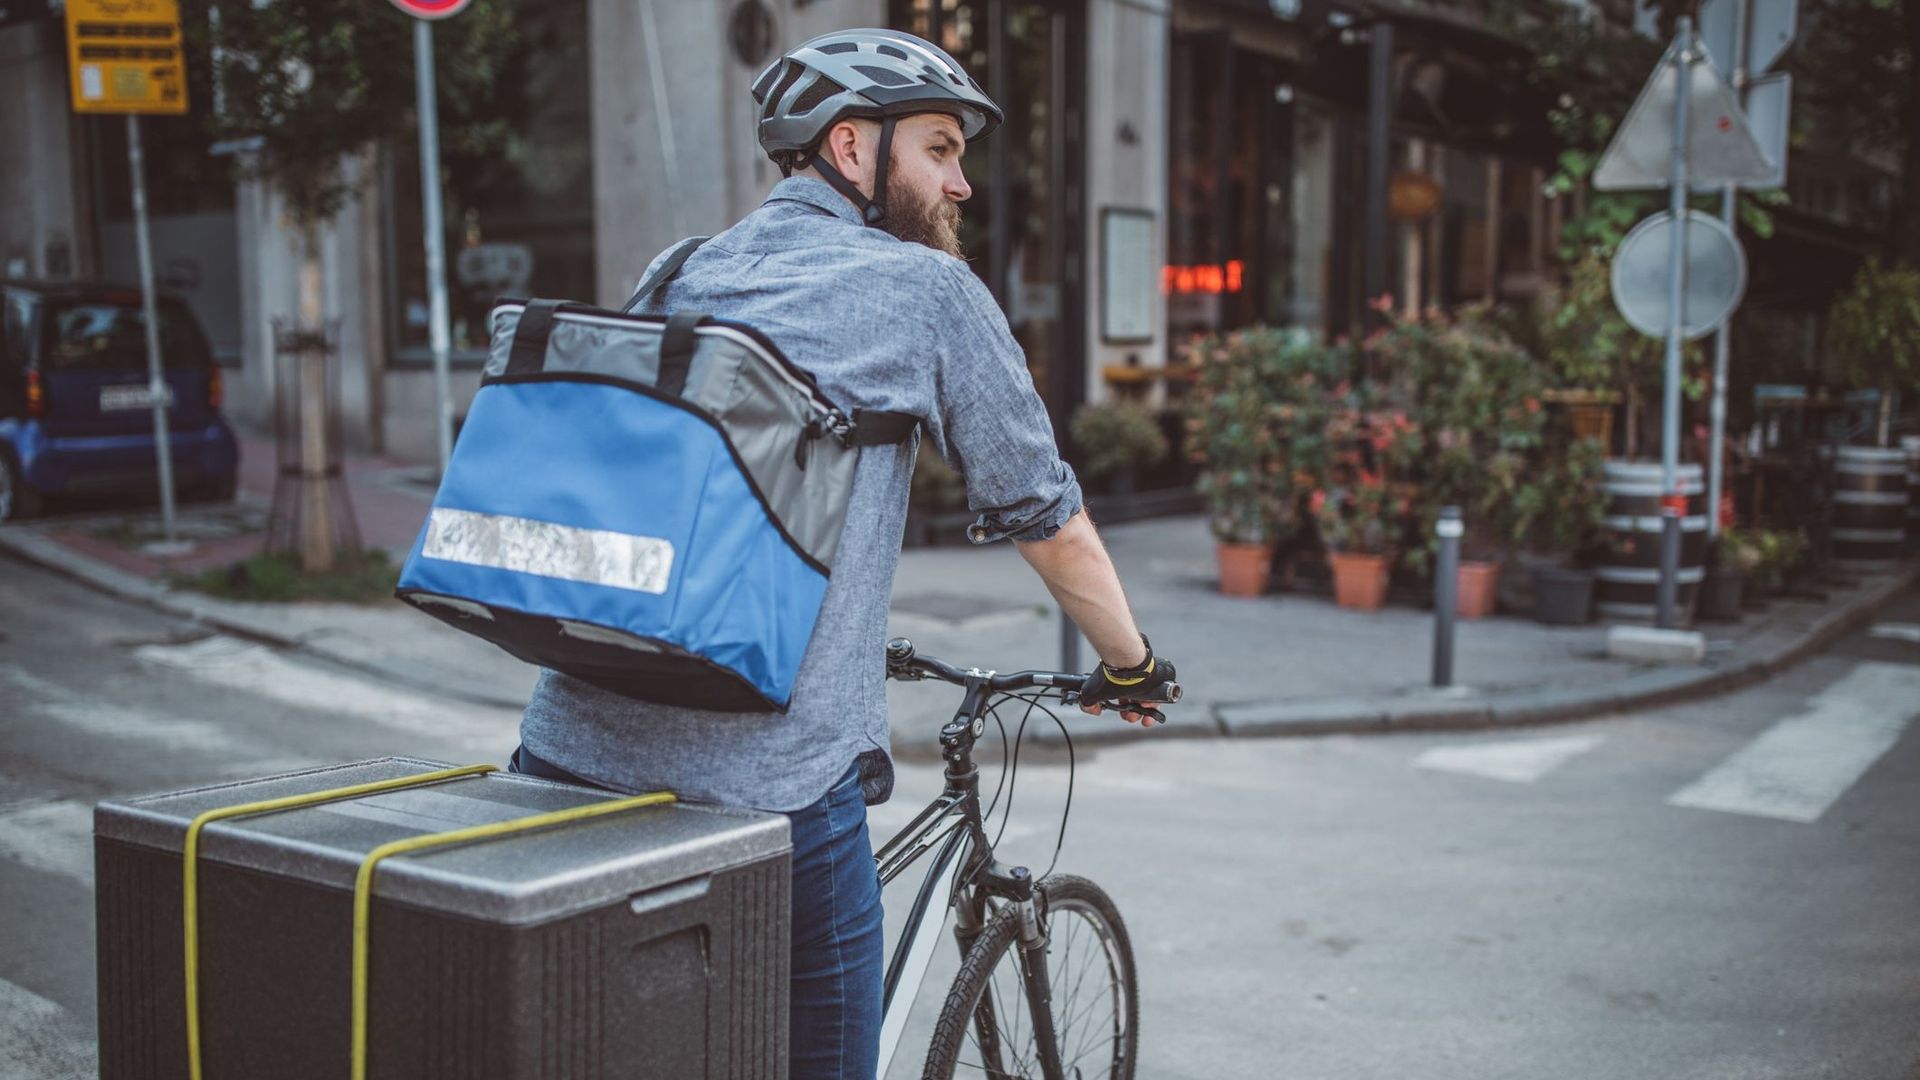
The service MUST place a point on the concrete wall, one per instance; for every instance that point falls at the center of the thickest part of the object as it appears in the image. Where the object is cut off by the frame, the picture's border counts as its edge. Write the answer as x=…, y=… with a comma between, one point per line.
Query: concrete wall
x=643, y=201
x=1127, y=52
x=43, y=216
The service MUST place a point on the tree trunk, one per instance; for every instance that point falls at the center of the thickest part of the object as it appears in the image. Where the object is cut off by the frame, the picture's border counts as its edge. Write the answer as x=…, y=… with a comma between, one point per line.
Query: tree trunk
x=1905, y=238
x=316, y=521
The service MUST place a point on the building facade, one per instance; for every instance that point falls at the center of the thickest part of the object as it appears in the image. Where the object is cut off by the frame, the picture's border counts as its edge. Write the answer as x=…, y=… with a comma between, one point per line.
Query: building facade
x=1167, y=167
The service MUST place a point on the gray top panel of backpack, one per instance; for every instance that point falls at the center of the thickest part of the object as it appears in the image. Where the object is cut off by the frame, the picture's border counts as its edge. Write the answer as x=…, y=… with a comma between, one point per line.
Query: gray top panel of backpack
x=763, y=410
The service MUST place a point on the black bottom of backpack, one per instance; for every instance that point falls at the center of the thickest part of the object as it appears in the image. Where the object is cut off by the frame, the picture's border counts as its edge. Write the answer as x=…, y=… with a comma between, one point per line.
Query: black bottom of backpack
x=641, y=668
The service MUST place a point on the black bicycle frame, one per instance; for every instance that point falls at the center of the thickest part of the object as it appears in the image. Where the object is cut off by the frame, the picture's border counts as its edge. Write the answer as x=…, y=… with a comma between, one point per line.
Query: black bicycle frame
x=963, y=876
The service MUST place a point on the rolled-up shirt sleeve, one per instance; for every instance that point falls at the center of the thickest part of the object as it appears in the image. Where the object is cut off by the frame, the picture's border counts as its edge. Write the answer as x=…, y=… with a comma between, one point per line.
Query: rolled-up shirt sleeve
x=990, y=424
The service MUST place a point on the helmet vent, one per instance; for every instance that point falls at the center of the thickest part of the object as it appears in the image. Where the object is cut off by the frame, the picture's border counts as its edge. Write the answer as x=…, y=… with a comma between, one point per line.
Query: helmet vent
x=891, y=50
x=787, y=79
x=822, y=89
x=840, y=47
x=883, y=76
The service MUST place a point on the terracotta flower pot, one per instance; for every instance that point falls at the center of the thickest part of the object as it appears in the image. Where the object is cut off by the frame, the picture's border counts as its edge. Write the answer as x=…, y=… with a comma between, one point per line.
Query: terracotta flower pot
x=1479, y=589
x=1359, y=581
x=1244, y=568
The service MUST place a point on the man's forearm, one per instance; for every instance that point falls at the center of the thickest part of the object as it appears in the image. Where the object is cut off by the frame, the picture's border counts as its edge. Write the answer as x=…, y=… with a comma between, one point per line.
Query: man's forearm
x=1077, y=571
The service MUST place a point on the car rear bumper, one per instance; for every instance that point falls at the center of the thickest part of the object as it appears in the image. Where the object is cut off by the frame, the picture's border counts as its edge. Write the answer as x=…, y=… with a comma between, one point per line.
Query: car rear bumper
x=206, y=455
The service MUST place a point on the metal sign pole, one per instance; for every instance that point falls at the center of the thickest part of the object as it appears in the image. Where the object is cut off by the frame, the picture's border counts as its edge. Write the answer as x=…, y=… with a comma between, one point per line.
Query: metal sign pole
x=436, y=241
x=1722, y=340
x=1668, y=595
x=156, y=376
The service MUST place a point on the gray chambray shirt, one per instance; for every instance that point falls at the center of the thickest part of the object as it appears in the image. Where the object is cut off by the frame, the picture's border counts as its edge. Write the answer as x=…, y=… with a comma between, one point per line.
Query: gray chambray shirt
x=883, y=324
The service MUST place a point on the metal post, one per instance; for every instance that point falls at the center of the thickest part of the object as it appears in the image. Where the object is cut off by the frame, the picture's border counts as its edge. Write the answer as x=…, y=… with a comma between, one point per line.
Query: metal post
x=1684, y=58
x=1446, y=588
x=1722, y=340
x=150, y=310
x=436, y=238
x=1069, y=643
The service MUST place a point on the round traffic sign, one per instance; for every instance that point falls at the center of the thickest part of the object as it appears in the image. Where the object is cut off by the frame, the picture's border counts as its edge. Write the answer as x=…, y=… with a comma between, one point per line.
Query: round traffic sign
x=431, y=9
x=1716, y=274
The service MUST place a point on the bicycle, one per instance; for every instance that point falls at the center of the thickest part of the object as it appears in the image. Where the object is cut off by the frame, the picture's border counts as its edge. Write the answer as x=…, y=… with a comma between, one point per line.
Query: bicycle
x=1003, y=912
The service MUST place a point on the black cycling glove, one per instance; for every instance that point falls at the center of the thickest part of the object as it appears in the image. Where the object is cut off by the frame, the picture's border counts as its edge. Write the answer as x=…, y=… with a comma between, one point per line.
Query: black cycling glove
x=1146, y=683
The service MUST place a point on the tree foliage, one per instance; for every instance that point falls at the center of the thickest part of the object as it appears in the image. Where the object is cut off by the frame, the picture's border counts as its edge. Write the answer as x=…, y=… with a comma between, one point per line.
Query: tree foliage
x=316, y=81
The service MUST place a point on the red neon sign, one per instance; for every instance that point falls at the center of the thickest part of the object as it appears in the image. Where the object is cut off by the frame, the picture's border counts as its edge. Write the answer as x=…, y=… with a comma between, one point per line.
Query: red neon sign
x=1206, y=278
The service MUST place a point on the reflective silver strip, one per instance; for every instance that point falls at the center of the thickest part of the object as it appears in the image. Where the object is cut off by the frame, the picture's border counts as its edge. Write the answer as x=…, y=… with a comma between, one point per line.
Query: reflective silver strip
x=1870, y=535
x=1635, y=575
x=1871, y=498
x=1697, y=523
x=592, y=556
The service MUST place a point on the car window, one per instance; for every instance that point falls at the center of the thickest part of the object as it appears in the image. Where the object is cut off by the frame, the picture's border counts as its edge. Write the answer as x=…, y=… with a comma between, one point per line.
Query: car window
x=89, y=335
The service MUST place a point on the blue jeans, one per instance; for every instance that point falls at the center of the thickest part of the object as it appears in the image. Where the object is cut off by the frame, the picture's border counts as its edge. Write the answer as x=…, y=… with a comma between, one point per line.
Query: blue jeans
x=838, y=953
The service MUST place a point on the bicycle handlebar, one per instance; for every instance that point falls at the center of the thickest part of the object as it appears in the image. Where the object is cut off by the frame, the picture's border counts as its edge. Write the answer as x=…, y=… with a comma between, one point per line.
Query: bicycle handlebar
x=904, y=664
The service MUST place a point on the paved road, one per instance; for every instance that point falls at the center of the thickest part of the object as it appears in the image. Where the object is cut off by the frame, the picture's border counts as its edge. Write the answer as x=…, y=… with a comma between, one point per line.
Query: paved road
x=1720, y=890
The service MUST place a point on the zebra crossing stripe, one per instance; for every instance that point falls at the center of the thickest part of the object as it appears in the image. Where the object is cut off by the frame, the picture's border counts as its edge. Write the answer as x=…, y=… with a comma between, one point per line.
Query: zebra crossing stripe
x=1518, y=761
x=1799, y=767
x=1895, y=631
x=39, y=1040
x=51, y=837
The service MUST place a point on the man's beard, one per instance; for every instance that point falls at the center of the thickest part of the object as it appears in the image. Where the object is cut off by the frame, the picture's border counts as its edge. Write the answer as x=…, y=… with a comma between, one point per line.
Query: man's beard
x=934, y=222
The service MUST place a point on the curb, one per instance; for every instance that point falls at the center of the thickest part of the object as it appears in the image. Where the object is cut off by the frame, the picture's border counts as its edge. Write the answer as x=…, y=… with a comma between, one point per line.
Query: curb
x=30, y=547
x=1771, y=652
x=1768, y=654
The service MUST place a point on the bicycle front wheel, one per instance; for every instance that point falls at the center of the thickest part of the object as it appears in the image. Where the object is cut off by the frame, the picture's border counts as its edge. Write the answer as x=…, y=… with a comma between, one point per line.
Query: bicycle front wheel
x=986, y=1025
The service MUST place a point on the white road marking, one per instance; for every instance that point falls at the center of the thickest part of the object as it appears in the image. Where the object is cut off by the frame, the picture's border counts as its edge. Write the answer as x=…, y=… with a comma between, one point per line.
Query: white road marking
x=107, y=720
x=51, y=837
x=1520, y=761
x=39, y=1040
x=1799, y=767
x=1897, y=631
x=254, y=669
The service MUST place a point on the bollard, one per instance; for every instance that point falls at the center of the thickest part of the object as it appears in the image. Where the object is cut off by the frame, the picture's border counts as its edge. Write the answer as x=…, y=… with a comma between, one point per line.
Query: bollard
x=1667, y=599
x=1069, y=643
x=1446, y=587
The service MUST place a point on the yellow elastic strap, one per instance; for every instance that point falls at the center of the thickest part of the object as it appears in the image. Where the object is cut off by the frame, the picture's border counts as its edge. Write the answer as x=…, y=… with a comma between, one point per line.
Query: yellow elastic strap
x=190, y=892
x=363, y=888
x=1135, y=681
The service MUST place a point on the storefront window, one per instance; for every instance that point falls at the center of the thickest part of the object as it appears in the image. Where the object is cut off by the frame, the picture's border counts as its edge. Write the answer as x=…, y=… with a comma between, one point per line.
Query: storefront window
x=519, y=209
x=1250, y=199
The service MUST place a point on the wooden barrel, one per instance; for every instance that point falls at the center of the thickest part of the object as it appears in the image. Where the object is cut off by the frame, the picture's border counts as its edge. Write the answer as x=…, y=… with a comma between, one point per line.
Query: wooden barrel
x=1628, y=583
x=1911, y=444
x=1869, y=507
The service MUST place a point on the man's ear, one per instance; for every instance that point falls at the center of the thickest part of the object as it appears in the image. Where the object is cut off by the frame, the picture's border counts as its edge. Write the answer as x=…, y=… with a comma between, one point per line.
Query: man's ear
x=843, y=150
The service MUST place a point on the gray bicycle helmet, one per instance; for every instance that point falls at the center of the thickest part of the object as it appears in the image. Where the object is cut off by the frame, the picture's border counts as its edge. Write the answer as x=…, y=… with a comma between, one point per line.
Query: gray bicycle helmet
x=877, y=74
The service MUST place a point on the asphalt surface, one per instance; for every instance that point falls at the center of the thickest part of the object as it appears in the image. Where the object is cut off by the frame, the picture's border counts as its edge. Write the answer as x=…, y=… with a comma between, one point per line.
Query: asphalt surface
x=1723, y=889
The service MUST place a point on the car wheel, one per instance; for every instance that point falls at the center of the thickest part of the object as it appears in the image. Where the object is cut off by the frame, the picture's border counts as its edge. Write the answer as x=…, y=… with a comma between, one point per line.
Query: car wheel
x=17, y=499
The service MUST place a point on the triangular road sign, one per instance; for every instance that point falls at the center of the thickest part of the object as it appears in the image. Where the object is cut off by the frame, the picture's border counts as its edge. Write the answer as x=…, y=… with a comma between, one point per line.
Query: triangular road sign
x=1721, y=148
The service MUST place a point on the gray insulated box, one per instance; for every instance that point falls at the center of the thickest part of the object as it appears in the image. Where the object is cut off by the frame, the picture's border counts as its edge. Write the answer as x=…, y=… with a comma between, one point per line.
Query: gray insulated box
x=645, y=943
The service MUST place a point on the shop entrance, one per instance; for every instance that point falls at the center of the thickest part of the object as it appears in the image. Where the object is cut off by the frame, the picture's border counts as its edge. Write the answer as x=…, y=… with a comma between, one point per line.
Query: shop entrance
x=1023, y=226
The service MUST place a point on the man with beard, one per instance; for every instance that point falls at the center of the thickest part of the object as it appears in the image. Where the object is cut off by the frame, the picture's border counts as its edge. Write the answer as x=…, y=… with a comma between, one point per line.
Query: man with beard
x=852, y=267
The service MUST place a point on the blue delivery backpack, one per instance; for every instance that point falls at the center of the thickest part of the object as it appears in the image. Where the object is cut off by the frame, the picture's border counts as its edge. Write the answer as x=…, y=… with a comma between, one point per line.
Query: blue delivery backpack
x=649, y=504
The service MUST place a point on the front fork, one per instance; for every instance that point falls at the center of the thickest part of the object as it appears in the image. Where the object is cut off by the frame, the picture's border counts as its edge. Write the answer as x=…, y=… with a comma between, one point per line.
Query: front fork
x=1017, y=887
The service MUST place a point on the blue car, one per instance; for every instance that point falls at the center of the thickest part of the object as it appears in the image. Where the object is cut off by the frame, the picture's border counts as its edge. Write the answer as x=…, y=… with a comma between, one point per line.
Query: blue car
x=76, y=412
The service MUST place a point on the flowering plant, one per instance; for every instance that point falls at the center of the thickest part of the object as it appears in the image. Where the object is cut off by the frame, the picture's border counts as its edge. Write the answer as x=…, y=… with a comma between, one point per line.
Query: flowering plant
x=1361, y=518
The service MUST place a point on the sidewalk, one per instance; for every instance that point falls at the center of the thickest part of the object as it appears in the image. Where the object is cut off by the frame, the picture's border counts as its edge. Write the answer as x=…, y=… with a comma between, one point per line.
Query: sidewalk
x=1282, y=664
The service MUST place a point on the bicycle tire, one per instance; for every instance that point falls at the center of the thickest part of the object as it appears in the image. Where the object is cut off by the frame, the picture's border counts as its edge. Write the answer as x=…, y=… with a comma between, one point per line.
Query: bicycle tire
x=1066, y=896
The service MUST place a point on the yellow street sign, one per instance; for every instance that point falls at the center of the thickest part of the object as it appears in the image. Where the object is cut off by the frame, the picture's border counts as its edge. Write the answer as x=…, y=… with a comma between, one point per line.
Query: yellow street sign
x=124, y=56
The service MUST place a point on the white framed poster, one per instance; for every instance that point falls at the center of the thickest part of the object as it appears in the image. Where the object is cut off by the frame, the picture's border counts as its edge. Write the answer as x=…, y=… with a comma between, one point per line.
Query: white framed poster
x=1128, y=276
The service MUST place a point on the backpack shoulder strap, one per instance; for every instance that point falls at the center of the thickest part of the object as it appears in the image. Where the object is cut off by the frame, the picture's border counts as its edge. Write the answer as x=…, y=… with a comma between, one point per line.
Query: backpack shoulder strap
x=882, y=428
x=676, y=258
